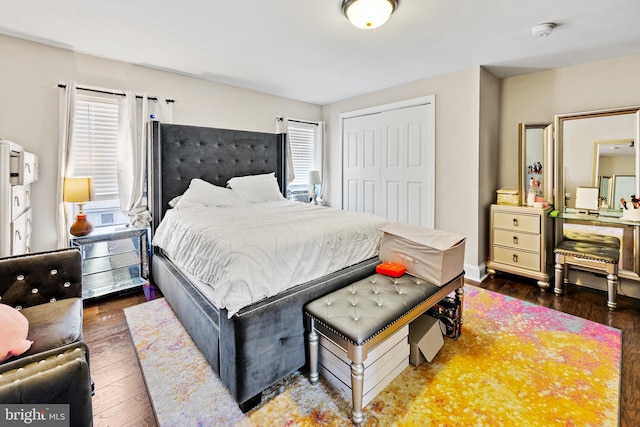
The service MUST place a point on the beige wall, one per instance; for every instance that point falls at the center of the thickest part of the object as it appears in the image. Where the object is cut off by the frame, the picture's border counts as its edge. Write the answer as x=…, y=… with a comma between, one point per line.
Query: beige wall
x=539, y=97
x=29, y=76
x=458, y=136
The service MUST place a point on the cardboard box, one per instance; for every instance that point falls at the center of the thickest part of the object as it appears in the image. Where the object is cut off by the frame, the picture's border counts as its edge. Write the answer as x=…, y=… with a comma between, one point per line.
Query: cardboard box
x=425, y=339
x=433, y=255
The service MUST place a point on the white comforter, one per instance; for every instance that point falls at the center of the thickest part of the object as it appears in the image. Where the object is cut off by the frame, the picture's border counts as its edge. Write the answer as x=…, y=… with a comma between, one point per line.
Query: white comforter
x=254, y=251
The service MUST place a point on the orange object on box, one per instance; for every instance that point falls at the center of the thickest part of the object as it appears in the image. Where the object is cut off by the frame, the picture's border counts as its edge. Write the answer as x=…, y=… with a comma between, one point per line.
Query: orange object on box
x=390, y=269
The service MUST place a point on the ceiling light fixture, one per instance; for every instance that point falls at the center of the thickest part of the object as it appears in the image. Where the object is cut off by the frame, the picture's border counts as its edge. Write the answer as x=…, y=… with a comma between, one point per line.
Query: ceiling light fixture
x=368, y=14
x=542, y=30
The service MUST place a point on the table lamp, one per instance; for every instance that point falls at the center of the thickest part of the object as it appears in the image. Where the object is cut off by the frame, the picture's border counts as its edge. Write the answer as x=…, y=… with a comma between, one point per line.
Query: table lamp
x=314, y=179
x=79, y=190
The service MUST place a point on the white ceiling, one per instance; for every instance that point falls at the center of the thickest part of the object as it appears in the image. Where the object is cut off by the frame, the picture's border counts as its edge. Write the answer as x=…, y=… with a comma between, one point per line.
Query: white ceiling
x=308, y=50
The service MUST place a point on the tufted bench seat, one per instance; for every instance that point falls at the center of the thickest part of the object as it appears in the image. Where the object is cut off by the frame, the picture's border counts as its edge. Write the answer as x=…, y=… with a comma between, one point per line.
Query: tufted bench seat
x=362, y=315
x=592, y=252
x=592, y=238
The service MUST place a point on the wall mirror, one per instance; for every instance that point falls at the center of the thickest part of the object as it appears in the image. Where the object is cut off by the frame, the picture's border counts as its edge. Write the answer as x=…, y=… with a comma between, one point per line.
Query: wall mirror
x=614, y=171
x=536, y=160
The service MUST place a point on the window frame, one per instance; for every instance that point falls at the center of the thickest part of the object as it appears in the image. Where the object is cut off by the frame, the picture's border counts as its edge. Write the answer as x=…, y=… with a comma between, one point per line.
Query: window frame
x=312, y=154
x=95, y=134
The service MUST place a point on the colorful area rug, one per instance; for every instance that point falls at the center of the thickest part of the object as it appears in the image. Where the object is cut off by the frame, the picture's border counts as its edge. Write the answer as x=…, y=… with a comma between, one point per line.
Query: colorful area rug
x=515, y=364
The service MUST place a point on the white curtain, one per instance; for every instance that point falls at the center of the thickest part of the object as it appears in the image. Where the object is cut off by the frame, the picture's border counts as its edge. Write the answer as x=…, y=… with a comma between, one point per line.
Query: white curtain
x=67, y=111
x=323, y=174
x=134, y=115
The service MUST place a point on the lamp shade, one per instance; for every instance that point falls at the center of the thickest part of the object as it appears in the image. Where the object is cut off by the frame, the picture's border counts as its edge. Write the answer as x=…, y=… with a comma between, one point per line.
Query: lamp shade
x=314, y=178
x=368, y=14
x=78, y=189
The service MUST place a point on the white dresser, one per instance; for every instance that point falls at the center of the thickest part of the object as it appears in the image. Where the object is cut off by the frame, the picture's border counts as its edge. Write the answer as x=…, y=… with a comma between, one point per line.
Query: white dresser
x=18, y=169
x=522, y=242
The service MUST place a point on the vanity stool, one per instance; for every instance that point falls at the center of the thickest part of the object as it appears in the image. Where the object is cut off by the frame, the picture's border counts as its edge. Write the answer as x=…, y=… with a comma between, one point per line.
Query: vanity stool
x=361, y=316
x=593, y=252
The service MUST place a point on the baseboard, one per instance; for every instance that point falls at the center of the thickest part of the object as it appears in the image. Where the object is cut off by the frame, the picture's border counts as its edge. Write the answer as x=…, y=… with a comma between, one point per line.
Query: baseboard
x=475, y=273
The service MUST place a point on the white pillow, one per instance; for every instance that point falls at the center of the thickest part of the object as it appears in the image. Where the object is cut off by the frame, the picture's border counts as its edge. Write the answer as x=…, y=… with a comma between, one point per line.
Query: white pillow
x=256, y=188
x=203, y=193
x=173, y=202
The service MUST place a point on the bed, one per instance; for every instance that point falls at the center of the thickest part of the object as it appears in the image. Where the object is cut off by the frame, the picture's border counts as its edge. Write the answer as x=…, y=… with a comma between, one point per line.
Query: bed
x=253, y=346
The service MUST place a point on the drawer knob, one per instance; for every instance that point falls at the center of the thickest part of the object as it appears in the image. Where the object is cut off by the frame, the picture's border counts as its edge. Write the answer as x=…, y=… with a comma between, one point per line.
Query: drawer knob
x=515, y=257
x=515, y=222
x=515, y=240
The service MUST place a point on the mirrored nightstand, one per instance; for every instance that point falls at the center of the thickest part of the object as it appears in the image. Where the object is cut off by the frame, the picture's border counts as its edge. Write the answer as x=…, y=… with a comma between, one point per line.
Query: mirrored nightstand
x=113, y=260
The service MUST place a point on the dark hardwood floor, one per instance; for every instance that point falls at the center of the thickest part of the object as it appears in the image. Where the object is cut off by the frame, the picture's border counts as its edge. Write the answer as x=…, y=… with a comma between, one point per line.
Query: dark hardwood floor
x=121, y=397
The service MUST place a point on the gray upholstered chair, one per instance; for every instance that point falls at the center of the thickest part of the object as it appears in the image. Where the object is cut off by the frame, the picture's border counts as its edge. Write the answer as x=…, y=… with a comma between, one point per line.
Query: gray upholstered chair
x=47, y=289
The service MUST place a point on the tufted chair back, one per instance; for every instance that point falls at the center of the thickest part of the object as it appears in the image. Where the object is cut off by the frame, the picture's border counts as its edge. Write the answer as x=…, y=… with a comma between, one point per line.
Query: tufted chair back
x=34, y=279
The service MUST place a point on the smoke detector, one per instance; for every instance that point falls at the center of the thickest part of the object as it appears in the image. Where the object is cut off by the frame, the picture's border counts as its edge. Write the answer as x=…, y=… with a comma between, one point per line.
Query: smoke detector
x=542, y=30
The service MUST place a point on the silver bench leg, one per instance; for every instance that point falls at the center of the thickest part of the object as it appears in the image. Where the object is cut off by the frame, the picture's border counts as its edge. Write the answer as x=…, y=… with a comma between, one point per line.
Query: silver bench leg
x=357, y=386
x=558, y=288
x=313, y=353
x=612, y=281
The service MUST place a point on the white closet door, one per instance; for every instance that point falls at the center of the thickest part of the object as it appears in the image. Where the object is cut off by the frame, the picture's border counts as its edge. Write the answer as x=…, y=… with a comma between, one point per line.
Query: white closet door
x=388, y=164
x=406, y=175
x=361, y=163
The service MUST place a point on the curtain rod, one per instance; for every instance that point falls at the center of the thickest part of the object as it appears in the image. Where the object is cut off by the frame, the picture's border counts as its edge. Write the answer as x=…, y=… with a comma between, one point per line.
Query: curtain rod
x=280, y=119
x=109, y=92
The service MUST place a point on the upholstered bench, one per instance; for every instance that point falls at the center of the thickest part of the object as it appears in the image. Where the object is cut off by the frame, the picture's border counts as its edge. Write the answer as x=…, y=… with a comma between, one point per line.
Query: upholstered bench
x=592, y=252
x=592, y=238
x=359, y=317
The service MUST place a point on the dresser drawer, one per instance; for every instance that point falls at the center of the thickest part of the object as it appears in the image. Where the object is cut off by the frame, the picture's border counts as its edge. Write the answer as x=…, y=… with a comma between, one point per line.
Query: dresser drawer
x=519, y=222
x=24, y=168
x=517, y=240
x=100, y=264
x=109, y=247
x=20, y=199
x=517, y=258
x=21, y=234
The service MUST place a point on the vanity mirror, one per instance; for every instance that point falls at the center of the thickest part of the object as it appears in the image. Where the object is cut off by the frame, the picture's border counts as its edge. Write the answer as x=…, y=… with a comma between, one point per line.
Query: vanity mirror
x=614, y=171
x=578, y=162
x=597, y=149
x=536, y=160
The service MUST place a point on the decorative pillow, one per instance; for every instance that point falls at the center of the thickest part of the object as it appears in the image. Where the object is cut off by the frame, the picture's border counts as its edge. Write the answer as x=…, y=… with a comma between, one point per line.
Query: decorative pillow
x=173, y=202
x=203, y=193
x=13, y=334
x=256, y=188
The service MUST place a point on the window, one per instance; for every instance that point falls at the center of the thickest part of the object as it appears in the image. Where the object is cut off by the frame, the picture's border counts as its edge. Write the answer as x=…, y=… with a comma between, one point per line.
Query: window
x=304, y=142
x=94, y=153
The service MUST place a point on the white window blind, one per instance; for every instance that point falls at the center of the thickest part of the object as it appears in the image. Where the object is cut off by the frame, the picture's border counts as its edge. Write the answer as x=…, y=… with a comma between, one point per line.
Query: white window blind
x=304, y=145
x=94, y=148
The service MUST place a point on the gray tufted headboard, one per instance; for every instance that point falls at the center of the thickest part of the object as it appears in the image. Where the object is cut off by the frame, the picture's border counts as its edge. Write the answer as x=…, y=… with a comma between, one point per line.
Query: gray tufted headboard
x=180, y=153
